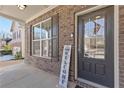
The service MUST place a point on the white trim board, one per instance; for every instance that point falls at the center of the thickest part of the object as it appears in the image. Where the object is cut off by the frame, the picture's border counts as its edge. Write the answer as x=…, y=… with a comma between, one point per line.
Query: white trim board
x=41, y=13
x=116, y=44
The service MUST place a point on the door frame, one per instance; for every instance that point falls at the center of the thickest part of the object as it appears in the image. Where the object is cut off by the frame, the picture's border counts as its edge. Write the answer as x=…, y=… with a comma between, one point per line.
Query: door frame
x=116, y=45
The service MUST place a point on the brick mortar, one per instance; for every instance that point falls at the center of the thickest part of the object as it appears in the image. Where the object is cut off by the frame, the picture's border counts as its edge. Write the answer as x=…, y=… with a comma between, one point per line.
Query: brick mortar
x=66, y=27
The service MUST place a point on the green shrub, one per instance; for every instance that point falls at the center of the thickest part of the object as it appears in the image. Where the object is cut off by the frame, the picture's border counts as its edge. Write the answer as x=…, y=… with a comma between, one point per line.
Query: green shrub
x=6, y=52
x=18, y=55
x=7, y=47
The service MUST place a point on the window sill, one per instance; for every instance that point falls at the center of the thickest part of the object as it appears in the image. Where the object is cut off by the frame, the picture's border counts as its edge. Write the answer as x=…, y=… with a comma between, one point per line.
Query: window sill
x=42, y=57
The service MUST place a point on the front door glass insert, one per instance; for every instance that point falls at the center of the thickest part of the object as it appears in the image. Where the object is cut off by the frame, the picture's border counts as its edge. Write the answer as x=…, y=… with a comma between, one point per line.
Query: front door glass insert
x=94, y=37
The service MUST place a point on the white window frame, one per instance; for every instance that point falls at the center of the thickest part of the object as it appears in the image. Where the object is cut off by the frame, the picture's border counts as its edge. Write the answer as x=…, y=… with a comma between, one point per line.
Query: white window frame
x=40, y=23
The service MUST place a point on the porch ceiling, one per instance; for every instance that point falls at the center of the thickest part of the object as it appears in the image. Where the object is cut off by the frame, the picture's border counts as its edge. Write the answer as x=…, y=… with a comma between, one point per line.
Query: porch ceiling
x=31, y=11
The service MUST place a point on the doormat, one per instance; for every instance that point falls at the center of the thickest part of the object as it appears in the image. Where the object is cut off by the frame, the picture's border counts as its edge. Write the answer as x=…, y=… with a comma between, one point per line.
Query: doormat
x=77, y=86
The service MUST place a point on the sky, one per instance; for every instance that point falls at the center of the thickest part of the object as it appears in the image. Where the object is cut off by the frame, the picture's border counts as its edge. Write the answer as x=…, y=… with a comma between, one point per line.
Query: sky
x=5, y=25
x=89, y=27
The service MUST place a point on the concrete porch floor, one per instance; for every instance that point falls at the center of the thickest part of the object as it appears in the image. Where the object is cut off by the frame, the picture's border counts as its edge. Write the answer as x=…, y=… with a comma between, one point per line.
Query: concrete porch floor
x=25, y=76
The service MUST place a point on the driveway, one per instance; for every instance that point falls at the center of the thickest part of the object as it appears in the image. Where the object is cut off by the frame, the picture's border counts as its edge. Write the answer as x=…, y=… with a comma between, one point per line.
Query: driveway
x=6, y=57
x=10, y=62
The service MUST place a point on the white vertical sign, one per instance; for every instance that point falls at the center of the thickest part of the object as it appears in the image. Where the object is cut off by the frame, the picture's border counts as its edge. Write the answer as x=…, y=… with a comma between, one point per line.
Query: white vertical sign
x=63, y=80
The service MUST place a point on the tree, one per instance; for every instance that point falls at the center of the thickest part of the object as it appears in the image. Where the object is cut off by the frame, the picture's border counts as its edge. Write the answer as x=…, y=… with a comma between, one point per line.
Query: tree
x=7, y=37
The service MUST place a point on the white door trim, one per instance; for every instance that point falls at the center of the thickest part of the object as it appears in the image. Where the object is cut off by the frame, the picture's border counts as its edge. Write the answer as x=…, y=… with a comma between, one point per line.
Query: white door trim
x=116, y=44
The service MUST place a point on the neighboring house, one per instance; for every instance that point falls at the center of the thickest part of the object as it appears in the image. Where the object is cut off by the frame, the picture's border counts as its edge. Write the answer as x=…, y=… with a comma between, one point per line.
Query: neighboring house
x=17, y=42
x=2, y=43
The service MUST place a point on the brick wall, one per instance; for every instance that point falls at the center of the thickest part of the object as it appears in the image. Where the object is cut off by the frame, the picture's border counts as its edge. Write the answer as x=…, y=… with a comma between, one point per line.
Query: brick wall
x=66, y=27
x=121, y=46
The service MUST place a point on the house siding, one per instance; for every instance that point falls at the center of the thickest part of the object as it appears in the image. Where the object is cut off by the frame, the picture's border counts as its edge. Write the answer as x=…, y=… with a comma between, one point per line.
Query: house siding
x=66, y=28
x=121, y=46
x=17, y=29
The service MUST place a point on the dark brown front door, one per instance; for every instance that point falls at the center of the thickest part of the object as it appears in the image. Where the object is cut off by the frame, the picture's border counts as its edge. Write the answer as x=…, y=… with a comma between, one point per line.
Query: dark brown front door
x=96, y=46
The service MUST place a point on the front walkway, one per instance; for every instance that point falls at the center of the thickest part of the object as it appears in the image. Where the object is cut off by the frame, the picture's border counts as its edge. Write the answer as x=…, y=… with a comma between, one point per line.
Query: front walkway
x=25, y=76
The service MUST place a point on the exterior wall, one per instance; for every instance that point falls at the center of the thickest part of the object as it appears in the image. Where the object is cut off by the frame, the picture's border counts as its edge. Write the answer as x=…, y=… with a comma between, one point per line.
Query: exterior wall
x=23, y=42
x=17, y=40
x=121, y=46
x=2, y=43
x=66, y=28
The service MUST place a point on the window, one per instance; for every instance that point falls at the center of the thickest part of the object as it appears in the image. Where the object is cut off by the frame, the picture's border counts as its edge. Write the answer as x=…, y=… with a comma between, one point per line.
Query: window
x=36, y=32
x=19, y=34
x=46, y=29
x=36, y=48
x=94, y=38
x=36, y=40
x=14, y=35
x=44, y=39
